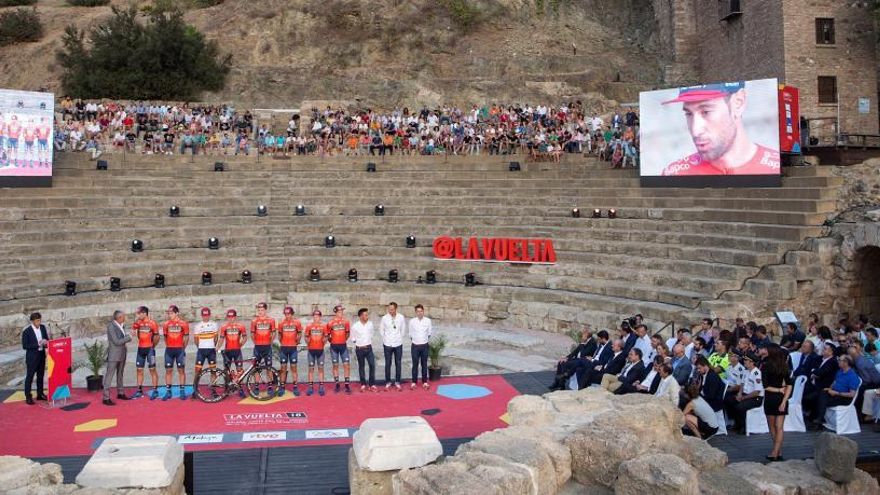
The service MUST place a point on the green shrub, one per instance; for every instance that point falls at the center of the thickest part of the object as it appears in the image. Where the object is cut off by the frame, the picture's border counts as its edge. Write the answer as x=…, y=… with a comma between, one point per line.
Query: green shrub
x=162, y=59
x=88, y=3
x=465, y=14
x=20, y=25
x=16, y=3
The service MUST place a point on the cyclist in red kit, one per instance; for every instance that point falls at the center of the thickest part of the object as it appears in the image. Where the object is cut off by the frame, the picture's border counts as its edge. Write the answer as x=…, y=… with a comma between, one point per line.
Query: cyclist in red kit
x=43, y=151
x=340, y=329
x=290, y=334
x=263, y=333
x=147, y=332
x=233, y=334
x=176, y=332
x=714, y=114
x=317, y=333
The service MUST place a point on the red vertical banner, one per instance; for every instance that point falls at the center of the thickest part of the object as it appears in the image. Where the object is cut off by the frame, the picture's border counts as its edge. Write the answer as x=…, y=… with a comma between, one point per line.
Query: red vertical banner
x=789, y=120
x=59, y=359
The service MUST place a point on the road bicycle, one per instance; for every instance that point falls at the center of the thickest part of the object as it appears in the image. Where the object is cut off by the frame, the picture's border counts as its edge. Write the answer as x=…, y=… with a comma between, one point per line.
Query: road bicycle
x=259, y=380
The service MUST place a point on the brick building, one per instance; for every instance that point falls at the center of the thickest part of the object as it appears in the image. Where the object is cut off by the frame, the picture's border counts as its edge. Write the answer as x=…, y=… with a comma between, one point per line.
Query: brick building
x=826, y=48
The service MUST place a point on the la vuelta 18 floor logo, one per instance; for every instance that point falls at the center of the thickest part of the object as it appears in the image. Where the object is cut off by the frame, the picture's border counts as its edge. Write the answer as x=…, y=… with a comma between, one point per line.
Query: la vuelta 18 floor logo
x=265, y=418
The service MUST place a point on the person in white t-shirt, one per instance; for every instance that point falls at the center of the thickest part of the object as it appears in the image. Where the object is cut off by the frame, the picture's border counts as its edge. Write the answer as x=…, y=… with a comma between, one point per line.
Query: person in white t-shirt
x=420, y=332
x=391, y=328
x=205, y=334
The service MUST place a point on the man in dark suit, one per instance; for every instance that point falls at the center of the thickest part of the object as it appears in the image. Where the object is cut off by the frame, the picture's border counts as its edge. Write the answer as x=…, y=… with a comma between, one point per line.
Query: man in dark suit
x=603, y=354
x=711, y=386
x=578, y=357
x=34, y=339
x=117, y=338
x=821, y=378
x=634, y=371
x=629, y=339
x=613, y=366
x=810, y=361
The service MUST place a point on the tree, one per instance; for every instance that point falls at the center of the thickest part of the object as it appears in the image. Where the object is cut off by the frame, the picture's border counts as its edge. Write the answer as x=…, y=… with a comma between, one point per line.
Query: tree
x=162, y=59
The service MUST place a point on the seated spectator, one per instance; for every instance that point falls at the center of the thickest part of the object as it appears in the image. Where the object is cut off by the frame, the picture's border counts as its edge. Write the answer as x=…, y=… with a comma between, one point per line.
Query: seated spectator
x=793, y=337
x=809, y=360
x=682, y=369
x=699, y=419
x=711, y=386
x=871, y=405
x=668, y=388
x=612, y=367
x=93, y=148
x=580, y=356
x=631, y=373
x=748, y=396
x=821, y=378
x=736, y=373
x=841, y=391
x=649, y=384
x=871, y=351
x=719, y=360
x=865, y=369
x=699, y=349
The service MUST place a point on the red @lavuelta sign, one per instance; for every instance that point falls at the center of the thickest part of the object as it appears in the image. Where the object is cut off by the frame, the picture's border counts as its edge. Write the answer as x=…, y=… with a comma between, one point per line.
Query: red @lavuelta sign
x=495, y=249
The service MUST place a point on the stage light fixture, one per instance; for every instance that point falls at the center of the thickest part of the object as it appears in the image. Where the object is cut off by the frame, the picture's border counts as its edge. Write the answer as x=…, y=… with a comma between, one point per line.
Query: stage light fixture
x=246, y=277
x=431, y=277
x=213, y=243
x=69, y=288
x=470, y=279
x=115, y=284
x=102, y=165
x=612, y=213
x=575, y=213
x=174, y=211
x=352, y=275
x=597, y=213
x=329, y=241
x=393, y=276
x=314, y=275
x=379, y=210
x=206, y=278
x=300, y=210
x=410, y=241
x=371, y=167
x=159, y=281
x=137, y=246
x=219, y=167
x=514, y=167
x=262, y=211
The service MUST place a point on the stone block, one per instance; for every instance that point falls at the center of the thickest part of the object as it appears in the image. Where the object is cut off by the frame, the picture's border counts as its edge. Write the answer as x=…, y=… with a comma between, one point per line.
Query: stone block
x=704, y=456
x=788, y=477
x=657, y=474
x=383, y=444
x=363, y=482
x=133, y=462
x=446, y=477
x=725, y=482
x=529, y=410
x=835, y=457
x=862, y=483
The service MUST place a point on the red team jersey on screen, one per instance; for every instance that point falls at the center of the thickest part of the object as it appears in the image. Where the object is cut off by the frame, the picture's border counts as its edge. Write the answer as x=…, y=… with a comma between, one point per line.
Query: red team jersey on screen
x=232, y=332
x=174, y=331
x=315, y=333
x=262, y=330
x=291, y=331
x=145, y=329
x=764, y=162
x=339, y=330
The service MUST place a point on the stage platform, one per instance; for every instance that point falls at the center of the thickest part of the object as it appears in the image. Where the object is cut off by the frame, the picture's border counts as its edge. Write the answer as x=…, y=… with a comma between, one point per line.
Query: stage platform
x=239, y=458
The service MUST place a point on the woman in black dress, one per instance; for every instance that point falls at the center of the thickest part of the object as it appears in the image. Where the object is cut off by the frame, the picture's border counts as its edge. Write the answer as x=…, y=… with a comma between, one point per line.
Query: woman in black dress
x=777, y=389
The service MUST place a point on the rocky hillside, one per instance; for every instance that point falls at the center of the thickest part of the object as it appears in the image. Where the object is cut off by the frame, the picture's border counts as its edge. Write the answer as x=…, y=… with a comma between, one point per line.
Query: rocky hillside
x=394, y=52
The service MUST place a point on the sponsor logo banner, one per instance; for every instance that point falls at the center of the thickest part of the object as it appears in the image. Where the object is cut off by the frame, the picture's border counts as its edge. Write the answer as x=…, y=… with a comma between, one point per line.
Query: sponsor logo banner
x=264, y=418
x=200, y=438
x=263, y=436
x=334, y=433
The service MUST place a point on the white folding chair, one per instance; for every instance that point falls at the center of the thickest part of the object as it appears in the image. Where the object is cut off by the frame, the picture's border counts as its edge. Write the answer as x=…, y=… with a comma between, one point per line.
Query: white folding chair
x=844, y=420
x=795, y=419
x=795, y=358
x=720, y=417
x=756, y=421
x=573, y=382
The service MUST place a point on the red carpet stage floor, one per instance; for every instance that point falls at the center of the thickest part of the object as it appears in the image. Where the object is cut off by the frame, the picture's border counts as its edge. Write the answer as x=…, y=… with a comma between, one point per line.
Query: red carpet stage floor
x=457, y=407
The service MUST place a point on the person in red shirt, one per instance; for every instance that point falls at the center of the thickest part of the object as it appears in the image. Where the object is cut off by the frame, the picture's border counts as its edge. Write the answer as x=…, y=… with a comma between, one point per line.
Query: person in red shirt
x=714, y=114
x=290, y=334
x=316, y=335
x=176, y=332
x=340, y=329
x=263, y=334
x=233, y=334
x=147, y=333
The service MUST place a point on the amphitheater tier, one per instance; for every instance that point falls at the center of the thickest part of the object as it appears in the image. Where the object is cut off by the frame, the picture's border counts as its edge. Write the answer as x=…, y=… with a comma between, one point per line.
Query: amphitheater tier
x=671, y=254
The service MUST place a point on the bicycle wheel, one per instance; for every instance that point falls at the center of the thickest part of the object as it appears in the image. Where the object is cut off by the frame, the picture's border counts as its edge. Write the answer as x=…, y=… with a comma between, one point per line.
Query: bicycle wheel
x=211, y=385
x=262, y=383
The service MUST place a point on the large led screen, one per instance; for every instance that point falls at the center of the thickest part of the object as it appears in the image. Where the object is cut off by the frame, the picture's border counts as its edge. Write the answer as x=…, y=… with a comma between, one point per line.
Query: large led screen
x=26, y=138
x=722, y=134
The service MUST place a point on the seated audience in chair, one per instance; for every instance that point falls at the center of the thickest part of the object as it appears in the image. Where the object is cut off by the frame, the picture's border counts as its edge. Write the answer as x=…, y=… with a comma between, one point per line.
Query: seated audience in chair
x=580, y=356
x=719, y=360
x=821, y=378
x=810, y=361
x=749, y=396
x=668, y=388
x=633, y=371
x=682, y=369
x=865, y=369
x=841, y=391
x=649, y=383
x=699, y=419
x=711, y=386
x=611, y=367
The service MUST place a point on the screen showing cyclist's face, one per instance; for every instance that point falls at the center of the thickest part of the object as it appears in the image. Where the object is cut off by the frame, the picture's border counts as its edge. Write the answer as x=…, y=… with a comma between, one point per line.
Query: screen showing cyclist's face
x=712, y=127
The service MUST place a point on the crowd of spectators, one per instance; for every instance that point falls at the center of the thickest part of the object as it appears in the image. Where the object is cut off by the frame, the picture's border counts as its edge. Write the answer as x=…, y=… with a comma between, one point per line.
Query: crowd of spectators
x=538, y=132
x=712, y=373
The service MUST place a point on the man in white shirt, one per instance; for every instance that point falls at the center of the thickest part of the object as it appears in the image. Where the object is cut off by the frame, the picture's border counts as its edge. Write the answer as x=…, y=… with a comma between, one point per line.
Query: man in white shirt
x=644, y=344
x=362, y=338
x=749, y=397
x=205, y=333
x=420, y=333
x=391, y=329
